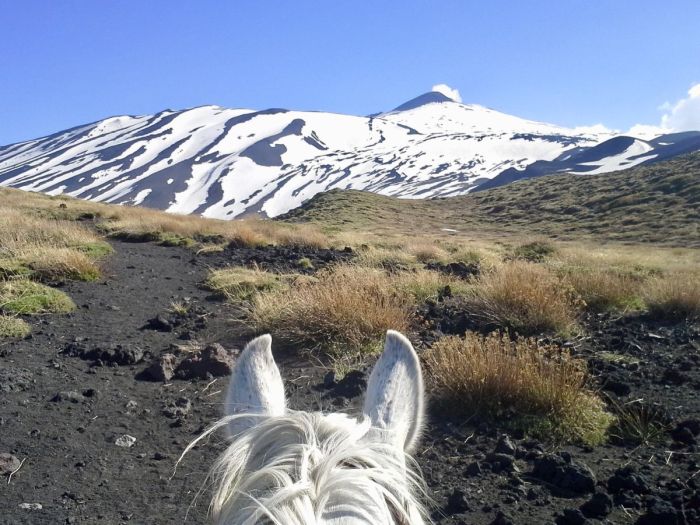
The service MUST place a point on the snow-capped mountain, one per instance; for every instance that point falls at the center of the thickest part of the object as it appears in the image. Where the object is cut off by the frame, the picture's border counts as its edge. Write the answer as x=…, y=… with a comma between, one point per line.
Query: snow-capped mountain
x=226, y=163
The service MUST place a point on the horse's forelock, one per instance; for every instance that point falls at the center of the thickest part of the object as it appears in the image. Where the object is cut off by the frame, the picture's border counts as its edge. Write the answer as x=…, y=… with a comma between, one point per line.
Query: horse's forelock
x=310, y=468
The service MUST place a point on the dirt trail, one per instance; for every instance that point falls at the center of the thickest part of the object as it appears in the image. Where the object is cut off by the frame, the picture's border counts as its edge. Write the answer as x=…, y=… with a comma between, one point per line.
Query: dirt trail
x=63, y=416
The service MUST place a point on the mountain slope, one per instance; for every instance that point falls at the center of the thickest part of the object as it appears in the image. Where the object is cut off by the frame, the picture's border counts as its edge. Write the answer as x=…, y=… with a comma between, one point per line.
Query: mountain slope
x=226, y=163
x=658, y=203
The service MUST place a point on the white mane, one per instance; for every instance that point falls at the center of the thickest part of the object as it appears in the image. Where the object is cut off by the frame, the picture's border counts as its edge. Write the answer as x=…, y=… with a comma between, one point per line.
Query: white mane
x=306, y=468
x=286, y=467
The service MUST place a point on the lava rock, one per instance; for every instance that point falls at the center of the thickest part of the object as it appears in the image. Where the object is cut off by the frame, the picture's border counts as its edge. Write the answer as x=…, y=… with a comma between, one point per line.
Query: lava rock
x=687, y=431
x=501, y=462
x=68, y=396
x=505, y=446
x=502, y=519
x=214, y=360
x=178, y=408
x=571, y=517
x=458, y=269
x=115, y=354
x=457, y=502
x=661, y=512
x=162, y=369
x=627, y=479
x=599, y=506
x=562, y=473
x=8, y=464
x=617, y=387
x=125, y=441
x=160, y=323
x=14, y=379
x=352, y=385
x=473, y=469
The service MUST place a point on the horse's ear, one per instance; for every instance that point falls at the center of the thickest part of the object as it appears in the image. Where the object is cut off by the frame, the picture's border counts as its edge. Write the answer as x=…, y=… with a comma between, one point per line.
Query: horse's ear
x=255, y=387
x=394, y=400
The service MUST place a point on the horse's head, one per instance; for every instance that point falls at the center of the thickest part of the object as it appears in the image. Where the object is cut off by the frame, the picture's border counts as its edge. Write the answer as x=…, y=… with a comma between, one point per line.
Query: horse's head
x=286, y=467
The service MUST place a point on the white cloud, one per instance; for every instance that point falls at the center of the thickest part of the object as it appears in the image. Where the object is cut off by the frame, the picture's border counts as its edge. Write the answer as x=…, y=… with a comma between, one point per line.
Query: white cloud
x=595, y=128
x=684, y=115
x=646, y=131
x=447, y=91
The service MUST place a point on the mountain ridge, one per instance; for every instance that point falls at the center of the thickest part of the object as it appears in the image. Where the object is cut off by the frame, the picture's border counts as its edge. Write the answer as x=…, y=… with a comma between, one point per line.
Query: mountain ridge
x=226, y=163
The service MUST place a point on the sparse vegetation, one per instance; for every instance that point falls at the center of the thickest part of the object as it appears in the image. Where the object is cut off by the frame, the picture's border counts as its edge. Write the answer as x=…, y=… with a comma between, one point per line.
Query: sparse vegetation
x=639, y=422
x=647, y=204
x=21, y=296
x=535, y=251
x=425, y=284
x=305, y=263
x=605, y=289
x=13, y=327
x=539, y=387
x=48, y=248
x=239, y=284
x=674, y=297
x=524, y=297
x=346, y=310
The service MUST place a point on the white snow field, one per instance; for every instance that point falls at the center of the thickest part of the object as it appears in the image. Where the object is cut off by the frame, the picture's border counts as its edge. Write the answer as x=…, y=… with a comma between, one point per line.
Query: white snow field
x=225, y=163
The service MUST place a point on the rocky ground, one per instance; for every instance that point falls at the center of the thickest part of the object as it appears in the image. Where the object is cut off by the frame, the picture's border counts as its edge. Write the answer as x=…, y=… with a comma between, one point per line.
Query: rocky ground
x=96, y=407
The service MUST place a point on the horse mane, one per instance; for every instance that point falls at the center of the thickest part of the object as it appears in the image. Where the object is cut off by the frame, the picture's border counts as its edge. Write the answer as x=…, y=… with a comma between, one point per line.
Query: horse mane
x=302, y=468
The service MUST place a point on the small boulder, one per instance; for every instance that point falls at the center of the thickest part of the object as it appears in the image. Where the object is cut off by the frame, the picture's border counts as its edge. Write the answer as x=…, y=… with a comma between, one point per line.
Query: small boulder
x=473, y=469
x=125, y=441
x=687, y=431
x=68, y=396
x=8, y=464
x=599, y=506
x=563, y=473
x=571, y=517
x=178, y=408
x=505, y=446
x=160, y=323
x=163, y=368
x=627, y=479
x=31, y=506
x=457, y=502
x=661, y=512
x=214, y=360
x=502, y=519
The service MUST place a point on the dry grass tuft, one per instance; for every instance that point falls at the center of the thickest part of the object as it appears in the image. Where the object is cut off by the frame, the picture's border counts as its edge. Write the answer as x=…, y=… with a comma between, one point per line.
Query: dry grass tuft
x=48, y=248
x=384, y=257
x=543, y=387
x=143, y=224
x=674, y=297
x=524, y=297
x=346, y=310
x=22, y=297
x=13, y=327
x=238, y=284
x=605, y=289
x=425, y=251
x=426, y=284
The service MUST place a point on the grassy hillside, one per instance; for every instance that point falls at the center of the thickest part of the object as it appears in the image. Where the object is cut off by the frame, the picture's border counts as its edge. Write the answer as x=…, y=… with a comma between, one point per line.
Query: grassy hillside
x=657, y=204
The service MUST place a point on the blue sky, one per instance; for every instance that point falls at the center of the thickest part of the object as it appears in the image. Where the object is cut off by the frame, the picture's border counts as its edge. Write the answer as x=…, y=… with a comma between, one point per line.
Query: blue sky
x=573, y=62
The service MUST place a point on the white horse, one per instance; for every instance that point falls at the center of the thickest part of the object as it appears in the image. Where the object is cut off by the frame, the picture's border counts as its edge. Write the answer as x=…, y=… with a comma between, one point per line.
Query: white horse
x=285, y=467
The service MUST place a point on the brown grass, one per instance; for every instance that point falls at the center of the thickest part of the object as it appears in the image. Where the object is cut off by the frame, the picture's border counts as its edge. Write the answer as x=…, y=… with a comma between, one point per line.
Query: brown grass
x=238, y=284
x=48, y=248
x=346, y=310
x=145, y=224
x=539, y=386
x=12, y=327
x=524, y=297
x=675, y=297
x=605, y=289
